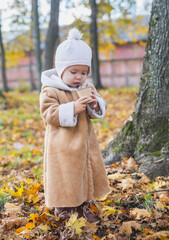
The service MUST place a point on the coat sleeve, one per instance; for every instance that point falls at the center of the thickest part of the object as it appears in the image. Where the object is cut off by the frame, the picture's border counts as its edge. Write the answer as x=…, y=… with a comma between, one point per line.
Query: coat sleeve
x=53, y=112
x=92, y=113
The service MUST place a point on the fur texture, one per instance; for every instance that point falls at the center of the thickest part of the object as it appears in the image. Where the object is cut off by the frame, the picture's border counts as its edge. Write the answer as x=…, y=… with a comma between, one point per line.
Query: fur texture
x=73, y=166
x=66, y=115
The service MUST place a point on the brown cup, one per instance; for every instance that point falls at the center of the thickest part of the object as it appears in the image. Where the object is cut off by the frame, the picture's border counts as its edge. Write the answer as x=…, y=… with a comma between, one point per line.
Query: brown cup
x=85, y=92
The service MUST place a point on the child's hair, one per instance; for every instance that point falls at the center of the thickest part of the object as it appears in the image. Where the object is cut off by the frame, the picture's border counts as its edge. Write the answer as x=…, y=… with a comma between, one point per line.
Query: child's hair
x=72, y=51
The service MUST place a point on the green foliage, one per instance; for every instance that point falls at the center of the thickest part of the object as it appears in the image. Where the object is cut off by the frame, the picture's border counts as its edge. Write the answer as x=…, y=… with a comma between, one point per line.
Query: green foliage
x=149, y=201
x=3, y=200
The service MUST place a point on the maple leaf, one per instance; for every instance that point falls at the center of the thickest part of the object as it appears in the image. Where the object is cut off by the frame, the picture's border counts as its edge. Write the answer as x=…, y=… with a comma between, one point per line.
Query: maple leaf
x=128, y=226
x=144, y=178
x=77, y=224
x=129, y=164
x=140, y=213
x=18, y=193
x=127, y=183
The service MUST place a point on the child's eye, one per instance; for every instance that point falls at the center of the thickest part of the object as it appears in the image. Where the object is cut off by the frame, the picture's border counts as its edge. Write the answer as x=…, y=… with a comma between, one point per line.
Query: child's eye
x=84, y=73
x=73, y=72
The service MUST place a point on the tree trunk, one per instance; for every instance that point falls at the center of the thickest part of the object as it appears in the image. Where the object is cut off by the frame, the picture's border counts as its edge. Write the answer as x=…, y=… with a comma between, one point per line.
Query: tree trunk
x=32, y=84
x=31, y=66
x=94, y=43
x=37, y=40
x=146, y=137
x=52, y=35
x=3, y=67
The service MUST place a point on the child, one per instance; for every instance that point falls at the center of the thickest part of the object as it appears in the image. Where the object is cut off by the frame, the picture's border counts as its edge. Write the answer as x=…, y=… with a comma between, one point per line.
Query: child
x=73, y=166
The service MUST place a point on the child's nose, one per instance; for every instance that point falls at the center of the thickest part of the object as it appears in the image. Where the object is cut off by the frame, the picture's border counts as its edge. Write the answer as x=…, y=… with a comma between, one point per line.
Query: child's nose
x=79, y=76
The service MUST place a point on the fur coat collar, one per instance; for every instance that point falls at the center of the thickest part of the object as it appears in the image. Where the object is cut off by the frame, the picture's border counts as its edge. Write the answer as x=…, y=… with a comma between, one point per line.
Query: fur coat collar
x=50, y=78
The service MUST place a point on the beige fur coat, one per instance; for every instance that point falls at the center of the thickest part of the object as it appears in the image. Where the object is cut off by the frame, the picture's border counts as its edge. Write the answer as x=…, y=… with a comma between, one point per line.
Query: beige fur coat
x=73, y=166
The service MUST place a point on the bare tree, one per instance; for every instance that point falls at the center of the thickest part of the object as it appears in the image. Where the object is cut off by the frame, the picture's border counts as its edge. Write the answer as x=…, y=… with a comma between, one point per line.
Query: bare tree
x=3, y=65
x=146, y=136
x=94, y=44
x=37, y=40
x=52, y=37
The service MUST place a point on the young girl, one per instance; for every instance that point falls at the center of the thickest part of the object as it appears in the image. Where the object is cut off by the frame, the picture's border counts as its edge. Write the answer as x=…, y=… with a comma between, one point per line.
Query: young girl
x=73, y=166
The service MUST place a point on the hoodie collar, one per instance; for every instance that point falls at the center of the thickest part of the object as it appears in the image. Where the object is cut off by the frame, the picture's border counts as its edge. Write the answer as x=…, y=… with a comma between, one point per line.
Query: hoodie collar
x=50, y=78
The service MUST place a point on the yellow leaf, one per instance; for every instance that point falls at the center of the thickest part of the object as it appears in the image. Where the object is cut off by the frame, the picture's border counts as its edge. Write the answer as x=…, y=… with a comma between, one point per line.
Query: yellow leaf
x=19, y=230
x=30, y=225
x=53, y=216
x=75, y=223
x=78, y=224
x=104, y=197
x=17, y=193
x=33, y=216
x=72, y=220
x=20, y=190
x=95, y=237
x=109, y=210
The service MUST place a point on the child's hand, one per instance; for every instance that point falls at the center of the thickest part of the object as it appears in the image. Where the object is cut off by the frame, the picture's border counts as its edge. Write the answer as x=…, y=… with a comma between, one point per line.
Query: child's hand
x=80, y=104
x=94, y=104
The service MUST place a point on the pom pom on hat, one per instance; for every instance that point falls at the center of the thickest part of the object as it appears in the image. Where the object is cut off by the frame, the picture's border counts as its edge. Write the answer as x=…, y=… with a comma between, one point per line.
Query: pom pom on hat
x=74, y=33
x=72, y=51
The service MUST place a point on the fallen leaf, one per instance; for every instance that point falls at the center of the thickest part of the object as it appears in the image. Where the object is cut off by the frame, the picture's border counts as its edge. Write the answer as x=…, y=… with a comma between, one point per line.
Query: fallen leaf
x=159, y=205
x=96, y=237
x=44, y=227
x=159, y=235
x=108, y=210
x=128, y=226
x=104, y=197
x=116, y=176
x=129, y=164
x=127, y=183
x=12, y=209
x=75, y=223
x=140, y=213
x=163, y=196
x=144, y=178
x=9, y=223
x=30, y=225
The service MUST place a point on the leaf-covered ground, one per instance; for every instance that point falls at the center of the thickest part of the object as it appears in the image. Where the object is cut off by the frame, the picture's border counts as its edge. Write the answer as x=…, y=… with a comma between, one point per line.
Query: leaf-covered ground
x=136, y=208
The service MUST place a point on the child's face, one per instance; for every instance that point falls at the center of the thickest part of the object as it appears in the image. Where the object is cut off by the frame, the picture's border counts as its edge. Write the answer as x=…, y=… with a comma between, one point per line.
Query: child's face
x=75, y=75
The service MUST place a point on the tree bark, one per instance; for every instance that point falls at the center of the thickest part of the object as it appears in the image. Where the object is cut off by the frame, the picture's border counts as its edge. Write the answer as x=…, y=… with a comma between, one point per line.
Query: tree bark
x=52, y=35
x=37, y=40
x=3, y=65
x=146, y=137
x=94, y=43
x=32, y=84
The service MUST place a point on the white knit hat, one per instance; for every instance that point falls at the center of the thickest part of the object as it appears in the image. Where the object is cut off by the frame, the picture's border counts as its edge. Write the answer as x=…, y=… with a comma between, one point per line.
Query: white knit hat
x=72, y=51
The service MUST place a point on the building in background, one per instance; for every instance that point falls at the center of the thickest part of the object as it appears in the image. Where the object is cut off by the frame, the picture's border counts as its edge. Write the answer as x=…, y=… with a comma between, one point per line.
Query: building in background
x=124, y=67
